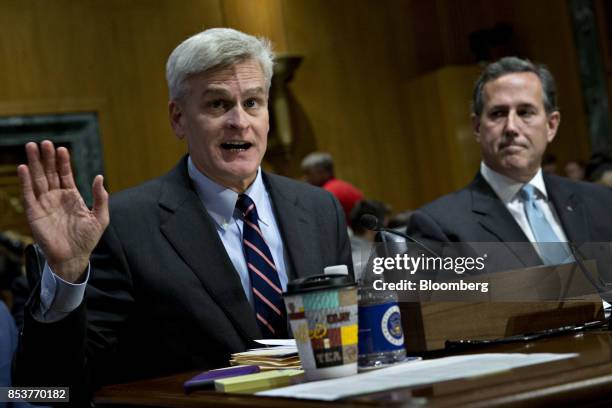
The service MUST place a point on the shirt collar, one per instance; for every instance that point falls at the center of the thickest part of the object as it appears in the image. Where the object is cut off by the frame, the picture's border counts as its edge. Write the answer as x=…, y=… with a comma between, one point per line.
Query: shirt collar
x=507, y=188
x=220, y=201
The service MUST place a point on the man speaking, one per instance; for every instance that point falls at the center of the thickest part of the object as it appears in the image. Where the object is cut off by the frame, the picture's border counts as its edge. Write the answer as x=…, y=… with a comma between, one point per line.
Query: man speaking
x=183, y=270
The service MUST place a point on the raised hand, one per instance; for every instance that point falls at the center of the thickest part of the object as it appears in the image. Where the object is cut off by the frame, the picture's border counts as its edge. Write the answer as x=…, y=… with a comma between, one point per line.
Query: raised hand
x=61, y=223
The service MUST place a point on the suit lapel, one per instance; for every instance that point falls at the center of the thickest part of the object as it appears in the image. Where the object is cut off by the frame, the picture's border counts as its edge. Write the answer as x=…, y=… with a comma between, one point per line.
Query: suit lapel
x=569, y=208
x=192, y=232
x=296, y=229
x=494, y=217
x=493, y=214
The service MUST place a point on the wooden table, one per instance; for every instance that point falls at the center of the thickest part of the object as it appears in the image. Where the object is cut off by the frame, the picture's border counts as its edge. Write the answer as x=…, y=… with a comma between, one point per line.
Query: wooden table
x=582, y=381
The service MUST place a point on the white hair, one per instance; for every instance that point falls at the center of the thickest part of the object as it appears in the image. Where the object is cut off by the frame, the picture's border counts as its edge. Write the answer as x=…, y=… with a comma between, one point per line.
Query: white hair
x=213, y=48
x=321, y=160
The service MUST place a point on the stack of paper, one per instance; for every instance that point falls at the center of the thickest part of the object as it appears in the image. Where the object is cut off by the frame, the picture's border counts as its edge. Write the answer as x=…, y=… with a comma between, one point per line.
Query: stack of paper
x=413, y=374
x=269, y=358
x=250, y=383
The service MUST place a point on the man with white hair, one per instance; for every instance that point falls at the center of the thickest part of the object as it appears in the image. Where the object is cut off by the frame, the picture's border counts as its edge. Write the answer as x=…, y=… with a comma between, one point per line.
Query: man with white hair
x=318, y=170
x=179, y=272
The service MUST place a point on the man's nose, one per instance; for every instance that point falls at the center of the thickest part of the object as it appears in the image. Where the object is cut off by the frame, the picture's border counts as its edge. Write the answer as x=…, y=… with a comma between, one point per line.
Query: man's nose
x=511, y=127
x=237, y=118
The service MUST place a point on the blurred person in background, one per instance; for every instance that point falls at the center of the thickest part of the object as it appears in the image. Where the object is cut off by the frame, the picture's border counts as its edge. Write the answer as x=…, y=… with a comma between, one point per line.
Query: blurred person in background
x=549, y=163
x=400, y=221
x=362, y=238
x=318, y=169
x=8, y=345
x=599, y=169
x=574, y=170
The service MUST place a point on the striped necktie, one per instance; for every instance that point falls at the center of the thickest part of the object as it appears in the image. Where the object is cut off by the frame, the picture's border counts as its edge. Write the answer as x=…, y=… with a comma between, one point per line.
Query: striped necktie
x=265, y=283
x=552, y=250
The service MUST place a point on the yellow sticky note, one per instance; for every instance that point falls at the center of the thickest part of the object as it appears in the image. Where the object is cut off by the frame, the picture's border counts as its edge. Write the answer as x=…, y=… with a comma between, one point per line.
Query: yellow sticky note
x=251, y=383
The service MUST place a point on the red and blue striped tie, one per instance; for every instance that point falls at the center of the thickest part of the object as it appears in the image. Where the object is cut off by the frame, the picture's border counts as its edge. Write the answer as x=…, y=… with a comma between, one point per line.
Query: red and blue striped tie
x=265, y=283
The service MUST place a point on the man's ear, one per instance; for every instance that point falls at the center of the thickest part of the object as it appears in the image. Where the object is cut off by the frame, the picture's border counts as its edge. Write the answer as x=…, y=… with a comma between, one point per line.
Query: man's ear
x=175, y=113
x=552, y=123
x=476, y=126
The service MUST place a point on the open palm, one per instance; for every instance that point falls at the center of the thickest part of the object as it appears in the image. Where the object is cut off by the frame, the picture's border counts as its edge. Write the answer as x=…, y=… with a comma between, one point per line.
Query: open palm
x=63, y=226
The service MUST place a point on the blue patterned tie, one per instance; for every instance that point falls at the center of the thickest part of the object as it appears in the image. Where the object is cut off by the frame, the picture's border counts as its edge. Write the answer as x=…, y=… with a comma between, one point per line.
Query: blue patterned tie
x=552, y=250
x=265, y=283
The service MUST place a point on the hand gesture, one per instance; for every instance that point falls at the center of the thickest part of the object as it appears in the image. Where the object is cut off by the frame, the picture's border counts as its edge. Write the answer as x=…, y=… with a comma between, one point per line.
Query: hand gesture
x=63, y=226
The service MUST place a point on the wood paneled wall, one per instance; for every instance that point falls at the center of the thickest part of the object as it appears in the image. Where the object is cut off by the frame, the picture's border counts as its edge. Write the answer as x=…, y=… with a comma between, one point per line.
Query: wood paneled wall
x=106, y=56
x=348, y=96
x=443, y=149
x=358, y=59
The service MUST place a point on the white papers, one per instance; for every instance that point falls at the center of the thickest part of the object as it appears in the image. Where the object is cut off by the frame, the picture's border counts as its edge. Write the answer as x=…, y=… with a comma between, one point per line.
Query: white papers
x=268, y=351
x=269, y=358
x=413, y=373
x=277, y=342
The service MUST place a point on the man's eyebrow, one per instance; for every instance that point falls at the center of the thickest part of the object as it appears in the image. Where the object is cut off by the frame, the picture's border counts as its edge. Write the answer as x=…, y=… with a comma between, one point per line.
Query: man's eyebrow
x=504, y=106
x=255, y=91
x=215, y=92
x=527, y=105
x=498, y=106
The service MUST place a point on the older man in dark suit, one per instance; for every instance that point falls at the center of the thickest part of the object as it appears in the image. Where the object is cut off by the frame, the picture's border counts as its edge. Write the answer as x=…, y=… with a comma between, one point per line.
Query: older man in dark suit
x=192, y=265
x=515, y=117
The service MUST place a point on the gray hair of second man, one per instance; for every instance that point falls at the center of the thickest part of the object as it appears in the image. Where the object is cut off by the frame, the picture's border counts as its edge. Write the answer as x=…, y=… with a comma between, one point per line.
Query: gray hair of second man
x=321, y=160
x=512, y=65
x=215, y=48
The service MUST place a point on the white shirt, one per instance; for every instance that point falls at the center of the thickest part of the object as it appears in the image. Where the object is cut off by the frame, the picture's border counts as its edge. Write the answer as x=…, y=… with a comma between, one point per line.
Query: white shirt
x=508, y=191
x=220, y=202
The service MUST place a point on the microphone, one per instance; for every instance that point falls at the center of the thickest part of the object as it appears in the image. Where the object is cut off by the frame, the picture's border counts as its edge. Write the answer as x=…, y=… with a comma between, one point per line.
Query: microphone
x=370, y=222
x=603, y=288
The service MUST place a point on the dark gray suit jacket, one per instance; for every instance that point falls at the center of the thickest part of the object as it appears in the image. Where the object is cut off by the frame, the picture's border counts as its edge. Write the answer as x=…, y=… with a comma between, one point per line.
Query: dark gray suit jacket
x=475, y=214
x=163, y=295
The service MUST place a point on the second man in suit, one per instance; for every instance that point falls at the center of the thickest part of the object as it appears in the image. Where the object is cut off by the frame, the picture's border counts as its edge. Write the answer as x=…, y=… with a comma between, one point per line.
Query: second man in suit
x=515, y=117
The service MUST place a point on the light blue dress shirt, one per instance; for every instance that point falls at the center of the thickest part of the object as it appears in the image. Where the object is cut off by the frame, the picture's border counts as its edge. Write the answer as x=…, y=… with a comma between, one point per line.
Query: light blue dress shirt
x=220, y=202
x=58, y=297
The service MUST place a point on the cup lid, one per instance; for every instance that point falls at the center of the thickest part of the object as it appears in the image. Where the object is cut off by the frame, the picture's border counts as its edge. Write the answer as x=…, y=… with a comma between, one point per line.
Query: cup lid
x=319, y=282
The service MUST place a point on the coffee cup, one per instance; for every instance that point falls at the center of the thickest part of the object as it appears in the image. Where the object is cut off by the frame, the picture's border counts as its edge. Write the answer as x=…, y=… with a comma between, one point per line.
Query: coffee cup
x=322, y=312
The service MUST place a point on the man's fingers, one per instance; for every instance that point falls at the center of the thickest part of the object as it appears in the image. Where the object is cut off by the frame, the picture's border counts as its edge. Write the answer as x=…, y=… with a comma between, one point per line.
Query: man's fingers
x=65, y=170
x=26, y=186
x=100, y=204
x=37, y=175
x=49, y=166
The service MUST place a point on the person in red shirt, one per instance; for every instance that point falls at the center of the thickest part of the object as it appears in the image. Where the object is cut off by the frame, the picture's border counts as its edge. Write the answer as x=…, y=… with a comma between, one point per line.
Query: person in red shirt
x=318, y=169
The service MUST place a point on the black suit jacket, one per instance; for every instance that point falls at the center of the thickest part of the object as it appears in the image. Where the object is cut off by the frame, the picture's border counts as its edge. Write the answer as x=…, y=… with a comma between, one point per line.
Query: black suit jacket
x=475, y=214
x=163, y=295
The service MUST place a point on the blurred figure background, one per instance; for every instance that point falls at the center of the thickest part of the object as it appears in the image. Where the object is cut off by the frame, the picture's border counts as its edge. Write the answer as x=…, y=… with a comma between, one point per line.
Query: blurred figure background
x=574, y=170
x=399, y=221
x=549, y=163
x=8, y=345
x=318, y=170
x=362, y=238
x=599, y=169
